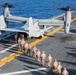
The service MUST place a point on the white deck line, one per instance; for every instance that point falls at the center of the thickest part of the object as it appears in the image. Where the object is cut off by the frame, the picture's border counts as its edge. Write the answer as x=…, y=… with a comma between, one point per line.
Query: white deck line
x=24, y=71
x=6, y=36
x=8, y=48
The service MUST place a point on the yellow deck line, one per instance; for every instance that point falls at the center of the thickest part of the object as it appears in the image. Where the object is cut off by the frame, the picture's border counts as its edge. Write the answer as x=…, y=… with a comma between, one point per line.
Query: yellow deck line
x=73, y=19
x=13, y=55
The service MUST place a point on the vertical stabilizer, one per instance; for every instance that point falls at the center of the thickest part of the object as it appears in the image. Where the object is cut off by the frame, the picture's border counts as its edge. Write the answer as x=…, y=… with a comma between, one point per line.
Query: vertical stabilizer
x=30, y=26
x=2, y=23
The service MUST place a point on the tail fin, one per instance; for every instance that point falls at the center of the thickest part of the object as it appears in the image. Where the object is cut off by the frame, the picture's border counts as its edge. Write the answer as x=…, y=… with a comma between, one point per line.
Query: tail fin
x=2, y=23
x=30, y=26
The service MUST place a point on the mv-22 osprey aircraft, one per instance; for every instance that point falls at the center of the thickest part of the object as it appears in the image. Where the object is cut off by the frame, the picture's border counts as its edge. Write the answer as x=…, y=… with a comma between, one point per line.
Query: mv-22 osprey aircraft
x=32, y=26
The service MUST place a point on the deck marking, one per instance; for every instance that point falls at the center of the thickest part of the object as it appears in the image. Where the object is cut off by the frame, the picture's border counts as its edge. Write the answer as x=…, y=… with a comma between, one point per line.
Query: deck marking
x=24, y=71
x=3, y=59
x=6, y=36
x=32, y=44
x=8, y=48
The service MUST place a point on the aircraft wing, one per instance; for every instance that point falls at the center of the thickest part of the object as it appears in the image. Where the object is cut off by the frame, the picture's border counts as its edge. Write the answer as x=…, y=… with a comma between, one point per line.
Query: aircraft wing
x=14, y=30
x=16, y=19
x=54, y=22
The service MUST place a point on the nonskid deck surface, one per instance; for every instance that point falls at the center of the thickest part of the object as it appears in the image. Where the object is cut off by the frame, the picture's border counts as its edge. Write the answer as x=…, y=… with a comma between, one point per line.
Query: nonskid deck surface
x=60, y=46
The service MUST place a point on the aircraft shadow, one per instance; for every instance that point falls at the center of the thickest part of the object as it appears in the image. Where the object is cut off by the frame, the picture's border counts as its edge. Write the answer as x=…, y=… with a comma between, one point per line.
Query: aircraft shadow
x=33, y=64
x=70, y=48
x=73, y=31
x=28, y=60
x=41, y=72
x=72, y=54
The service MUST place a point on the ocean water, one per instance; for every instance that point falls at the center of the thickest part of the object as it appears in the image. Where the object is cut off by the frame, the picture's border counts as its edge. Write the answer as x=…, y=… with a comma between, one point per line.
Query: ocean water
x=36, y=8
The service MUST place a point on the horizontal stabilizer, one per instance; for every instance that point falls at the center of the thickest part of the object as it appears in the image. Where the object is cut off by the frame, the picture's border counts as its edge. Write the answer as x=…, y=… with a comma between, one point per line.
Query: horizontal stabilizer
x=14, y=30
x=54, y=22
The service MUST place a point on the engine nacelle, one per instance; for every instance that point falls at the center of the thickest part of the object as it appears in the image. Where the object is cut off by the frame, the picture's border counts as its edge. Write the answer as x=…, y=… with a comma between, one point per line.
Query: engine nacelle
x=67, y=21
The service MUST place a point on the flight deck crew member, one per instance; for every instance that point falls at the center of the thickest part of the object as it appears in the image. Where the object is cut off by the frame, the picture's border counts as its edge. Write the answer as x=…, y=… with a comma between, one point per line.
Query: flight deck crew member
x=49, y=60
x=38, y=55
x=43, y=57
x=34, y=49
x=65, y=72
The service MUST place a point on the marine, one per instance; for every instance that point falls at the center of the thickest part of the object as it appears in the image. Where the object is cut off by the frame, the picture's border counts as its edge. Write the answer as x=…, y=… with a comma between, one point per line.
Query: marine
x=27, y=48
x=65, y=72
x=49, y=60
x=59, y=67
x=43, y=57
x=34, y=49
x=38, y=55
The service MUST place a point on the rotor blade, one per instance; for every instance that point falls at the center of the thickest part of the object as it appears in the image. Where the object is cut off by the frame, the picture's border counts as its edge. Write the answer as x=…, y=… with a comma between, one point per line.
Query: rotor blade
x=7, y=5
x=68, y=8
x=62, y=8
x=10, y=6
